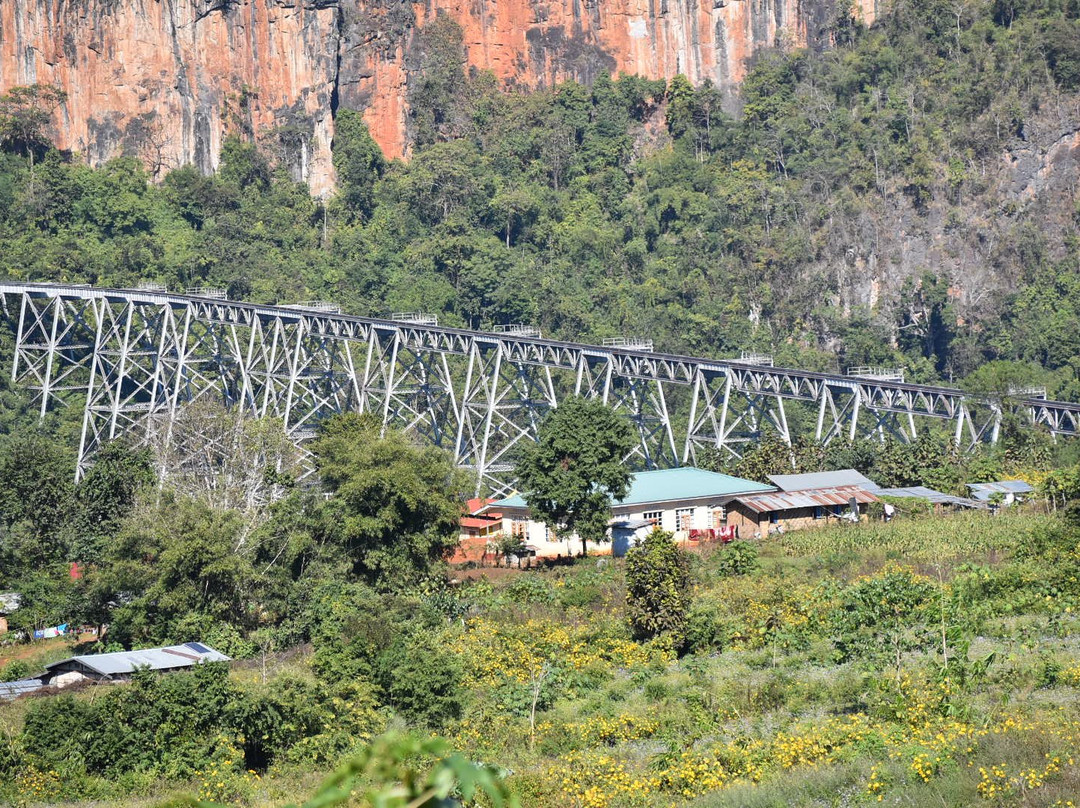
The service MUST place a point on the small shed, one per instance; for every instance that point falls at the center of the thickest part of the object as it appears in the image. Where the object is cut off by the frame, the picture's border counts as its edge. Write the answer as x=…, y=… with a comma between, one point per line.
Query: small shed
x=790, y=510
x=628, y=533
x=120, y=665
x=9, y=691
x=1011, y=491
x=940, y=501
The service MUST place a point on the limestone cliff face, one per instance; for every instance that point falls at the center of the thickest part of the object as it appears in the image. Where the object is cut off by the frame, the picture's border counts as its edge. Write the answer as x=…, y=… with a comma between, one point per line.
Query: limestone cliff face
x=167, y=80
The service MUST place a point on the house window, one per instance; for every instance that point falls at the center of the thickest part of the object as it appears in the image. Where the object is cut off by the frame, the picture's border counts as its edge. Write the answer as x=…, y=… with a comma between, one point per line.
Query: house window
x=719, y=517
x=519, y=528
x=774, y=517
x=652, y=516
x=684, y=518
x=819, y=512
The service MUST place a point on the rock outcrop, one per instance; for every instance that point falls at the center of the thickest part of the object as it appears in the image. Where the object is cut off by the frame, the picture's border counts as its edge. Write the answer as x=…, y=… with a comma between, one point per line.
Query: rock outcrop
x=167, y=80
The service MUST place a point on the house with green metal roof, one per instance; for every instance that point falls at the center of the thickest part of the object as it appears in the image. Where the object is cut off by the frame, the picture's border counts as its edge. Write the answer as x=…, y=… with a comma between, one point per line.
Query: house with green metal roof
x=688, y=502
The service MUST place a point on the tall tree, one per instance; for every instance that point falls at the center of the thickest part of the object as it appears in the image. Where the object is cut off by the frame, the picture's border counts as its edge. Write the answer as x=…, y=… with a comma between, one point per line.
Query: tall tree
x=36, y=477
x=573, y=472
x=359, y=163
x=24, y=117
x=395, y=505
x=106, y=494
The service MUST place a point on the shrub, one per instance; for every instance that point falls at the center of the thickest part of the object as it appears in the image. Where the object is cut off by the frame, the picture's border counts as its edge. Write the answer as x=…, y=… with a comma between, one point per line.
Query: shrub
x=19, y=669
x=704, y=632
x=879, y=616
x=737, y=558
x=658, y=589
x=580, y=596
x=55, y=730
x=531, y=589
x=421, y=681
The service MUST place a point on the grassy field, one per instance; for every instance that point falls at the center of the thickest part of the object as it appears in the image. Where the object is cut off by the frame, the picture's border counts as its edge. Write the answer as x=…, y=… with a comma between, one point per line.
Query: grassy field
x=923, y=662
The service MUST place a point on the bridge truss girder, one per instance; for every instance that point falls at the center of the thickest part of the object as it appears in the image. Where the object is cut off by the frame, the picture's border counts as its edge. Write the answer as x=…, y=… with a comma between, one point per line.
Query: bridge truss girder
x=124, y=356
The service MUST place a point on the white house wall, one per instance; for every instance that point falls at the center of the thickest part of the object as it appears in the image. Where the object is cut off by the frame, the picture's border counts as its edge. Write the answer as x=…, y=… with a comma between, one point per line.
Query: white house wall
x=537, y=532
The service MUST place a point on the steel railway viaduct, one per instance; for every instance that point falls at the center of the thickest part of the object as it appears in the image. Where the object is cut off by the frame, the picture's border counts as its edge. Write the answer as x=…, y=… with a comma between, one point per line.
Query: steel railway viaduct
x=131, y=359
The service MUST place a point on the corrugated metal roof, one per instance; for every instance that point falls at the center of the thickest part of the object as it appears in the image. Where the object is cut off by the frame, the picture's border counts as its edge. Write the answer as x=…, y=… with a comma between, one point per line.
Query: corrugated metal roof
x=12, y=690
x=822, y=479
x=166, y=658
x=812, y=498
x=668, y=485
x=632, y=524
x=1003, y=487
x=476, y=504
x=922, y=492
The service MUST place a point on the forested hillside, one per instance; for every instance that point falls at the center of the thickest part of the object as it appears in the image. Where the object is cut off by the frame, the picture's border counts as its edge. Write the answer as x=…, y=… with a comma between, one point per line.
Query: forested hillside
x=907, y=198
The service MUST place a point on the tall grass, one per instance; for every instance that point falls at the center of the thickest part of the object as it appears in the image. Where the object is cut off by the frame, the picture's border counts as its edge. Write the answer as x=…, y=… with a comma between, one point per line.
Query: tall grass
x=959, y=535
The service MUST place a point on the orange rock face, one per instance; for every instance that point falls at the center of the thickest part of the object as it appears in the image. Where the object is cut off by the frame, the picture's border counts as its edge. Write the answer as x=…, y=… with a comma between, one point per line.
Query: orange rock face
x=167, y=80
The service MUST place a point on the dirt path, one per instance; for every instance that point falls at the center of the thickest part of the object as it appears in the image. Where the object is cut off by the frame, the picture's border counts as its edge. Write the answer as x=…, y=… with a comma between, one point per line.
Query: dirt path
x=38, y=648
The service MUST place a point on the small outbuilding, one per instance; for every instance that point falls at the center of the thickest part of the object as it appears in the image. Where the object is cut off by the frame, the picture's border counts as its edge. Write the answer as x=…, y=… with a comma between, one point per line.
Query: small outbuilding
x=1008, y=492
x=938, y=500
x=9, y=602
x=9, y=691
x=120, y=665
x=779, y=511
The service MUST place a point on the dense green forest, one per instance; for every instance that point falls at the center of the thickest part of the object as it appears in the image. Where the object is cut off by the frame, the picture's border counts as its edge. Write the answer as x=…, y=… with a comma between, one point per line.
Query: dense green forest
x=642, y=207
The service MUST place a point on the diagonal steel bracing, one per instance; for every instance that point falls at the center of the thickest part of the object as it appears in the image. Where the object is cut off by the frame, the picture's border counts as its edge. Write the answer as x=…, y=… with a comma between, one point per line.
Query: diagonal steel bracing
x=133, y=361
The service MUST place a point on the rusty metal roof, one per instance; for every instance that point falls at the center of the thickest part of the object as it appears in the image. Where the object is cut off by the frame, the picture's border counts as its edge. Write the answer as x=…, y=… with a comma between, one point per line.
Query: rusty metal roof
x=809, y=498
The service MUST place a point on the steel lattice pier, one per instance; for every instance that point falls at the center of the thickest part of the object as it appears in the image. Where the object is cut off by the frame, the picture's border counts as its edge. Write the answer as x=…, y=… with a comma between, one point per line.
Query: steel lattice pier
x=124, y=355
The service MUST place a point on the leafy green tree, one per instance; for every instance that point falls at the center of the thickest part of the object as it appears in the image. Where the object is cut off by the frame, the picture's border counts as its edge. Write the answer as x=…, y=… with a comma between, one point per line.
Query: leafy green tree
x=880, y=617
x=106, y=494
x=1063, y=52
x=680, y=100
x=24, y=116
x=575, y=469
x=437, y=100
x=394, y=505
x=178, y=569
x=36, y=478
x=243, y=166
x=421, y=681
x=658, y=589
x=358, y=161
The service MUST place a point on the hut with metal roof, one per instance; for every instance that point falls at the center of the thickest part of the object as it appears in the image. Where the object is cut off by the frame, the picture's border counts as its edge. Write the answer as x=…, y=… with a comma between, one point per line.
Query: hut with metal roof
x=9, y=691
x=1007, y=491
x=119, y=666
x=779, y=511
x=938, y=500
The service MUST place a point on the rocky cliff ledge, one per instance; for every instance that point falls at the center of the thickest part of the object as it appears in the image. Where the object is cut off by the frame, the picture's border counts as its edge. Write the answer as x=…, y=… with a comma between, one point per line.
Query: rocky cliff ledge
x=167, y=80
